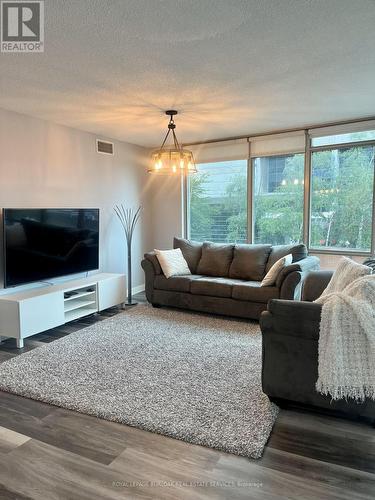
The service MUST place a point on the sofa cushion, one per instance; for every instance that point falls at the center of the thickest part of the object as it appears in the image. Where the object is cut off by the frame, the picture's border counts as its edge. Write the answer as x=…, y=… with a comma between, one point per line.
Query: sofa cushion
x=191, y=250
x=298, y=252
x=175, y=283
x=215, y=287
x=249, y=262
x=251, y=291
x=216, y=259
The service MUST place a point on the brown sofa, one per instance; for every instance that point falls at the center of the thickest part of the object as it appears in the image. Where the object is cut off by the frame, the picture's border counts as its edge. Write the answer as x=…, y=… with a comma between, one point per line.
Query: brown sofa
x=226, y=278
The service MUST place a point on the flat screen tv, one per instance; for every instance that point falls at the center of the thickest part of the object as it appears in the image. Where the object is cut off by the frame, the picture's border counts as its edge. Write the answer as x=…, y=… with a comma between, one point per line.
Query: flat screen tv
x=44, y=243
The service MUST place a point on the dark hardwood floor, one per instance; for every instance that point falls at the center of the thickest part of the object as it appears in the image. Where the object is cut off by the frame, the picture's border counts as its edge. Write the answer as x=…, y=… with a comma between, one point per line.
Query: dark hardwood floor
x=50, y=453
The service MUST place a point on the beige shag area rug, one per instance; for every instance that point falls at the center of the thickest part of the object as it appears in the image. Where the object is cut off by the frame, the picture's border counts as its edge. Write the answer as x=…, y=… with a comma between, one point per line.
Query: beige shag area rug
x=189, y=376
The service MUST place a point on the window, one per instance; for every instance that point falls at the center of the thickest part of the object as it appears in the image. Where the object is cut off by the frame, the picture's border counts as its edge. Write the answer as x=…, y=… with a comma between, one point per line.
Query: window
x=337, y=206
x=278, y=184
x=218, y=202
x=342, y=182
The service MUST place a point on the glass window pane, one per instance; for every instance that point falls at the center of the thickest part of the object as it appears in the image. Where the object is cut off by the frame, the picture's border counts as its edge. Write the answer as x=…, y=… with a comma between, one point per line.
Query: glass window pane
x=278, y=199
x=218, y=202
x=341, y=198
x=369, y=135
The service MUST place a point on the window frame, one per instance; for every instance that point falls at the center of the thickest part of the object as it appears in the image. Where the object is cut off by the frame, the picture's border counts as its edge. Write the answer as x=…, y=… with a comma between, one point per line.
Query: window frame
x=350, y=251
x=308, y=151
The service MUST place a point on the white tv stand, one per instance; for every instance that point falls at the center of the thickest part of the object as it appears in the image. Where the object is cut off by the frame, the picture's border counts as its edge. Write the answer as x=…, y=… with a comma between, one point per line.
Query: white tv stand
x=29, y=312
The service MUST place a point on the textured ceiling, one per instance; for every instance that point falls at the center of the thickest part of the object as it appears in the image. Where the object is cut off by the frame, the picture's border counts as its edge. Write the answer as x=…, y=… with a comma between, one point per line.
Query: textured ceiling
x=230, y=67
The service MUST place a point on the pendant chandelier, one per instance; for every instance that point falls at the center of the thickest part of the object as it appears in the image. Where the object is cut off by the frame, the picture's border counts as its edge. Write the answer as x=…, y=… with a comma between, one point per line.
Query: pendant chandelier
x=172, y=160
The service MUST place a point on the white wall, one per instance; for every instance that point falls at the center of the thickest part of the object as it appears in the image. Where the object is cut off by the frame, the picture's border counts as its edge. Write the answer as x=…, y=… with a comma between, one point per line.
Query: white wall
x=167, y=210
x=47, y=165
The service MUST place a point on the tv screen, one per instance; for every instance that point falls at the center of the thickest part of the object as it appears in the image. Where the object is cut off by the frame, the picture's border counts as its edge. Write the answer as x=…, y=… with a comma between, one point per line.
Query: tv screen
x=45, y=243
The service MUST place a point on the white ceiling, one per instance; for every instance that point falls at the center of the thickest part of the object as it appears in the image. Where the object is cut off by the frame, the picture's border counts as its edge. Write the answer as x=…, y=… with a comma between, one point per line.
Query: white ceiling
x=230, y=67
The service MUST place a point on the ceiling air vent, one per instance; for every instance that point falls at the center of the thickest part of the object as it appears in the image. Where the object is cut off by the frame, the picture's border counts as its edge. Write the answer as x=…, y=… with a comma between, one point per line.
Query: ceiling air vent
x=104, y=147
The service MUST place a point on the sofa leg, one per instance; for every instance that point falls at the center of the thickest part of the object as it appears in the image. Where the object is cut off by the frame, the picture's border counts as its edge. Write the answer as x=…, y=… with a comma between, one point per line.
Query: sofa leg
x=157, y=306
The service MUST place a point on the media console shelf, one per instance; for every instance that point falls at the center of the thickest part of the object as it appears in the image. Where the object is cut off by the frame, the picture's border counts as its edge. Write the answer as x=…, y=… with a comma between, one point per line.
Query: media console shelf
x=80, y=302
x=32, y=311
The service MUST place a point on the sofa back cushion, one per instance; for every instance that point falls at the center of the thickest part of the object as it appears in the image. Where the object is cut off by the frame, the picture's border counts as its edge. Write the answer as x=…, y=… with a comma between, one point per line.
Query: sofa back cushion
x=216, y=259
x=191, y=250
x=249, y=262
x=298, y=252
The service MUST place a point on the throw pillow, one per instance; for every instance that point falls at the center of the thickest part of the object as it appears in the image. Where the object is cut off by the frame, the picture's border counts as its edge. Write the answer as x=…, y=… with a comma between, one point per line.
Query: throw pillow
x=346, y=272
x=216, y=259
x=172, y=262
x=271, y=277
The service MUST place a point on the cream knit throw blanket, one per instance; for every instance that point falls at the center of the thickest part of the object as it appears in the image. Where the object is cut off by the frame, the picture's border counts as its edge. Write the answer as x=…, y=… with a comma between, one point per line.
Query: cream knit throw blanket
x=347, y=341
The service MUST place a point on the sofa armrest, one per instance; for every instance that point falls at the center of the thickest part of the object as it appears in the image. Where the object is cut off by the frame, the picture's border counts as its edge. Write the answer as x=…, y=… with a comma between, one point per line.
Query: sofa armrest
x=149, y=278
x=314, y=284
x=290, y=338
x=290, y=288
x=305, y=265
x=151, y=257
x=291, y=318
x=294, y=309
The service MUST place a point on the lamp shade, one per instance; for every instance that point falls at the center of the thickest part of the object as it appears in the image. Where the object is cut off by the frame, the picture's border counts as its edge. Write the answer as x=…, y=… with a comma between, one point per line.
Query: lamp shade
x=172, y=160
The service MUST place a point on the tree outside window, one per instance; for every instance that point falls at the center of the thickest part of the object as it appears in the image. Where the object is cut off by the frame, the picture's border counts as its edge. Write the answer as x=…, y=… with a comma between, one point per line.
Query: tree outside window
x=342, y=184
x=278, y=199
x=218, y=202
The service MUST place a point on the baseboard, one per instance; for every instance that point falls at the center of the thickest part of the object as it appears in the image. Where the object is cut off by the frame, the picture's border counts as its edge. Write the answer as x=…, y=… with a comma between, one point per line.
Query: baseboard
x=138, y=289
